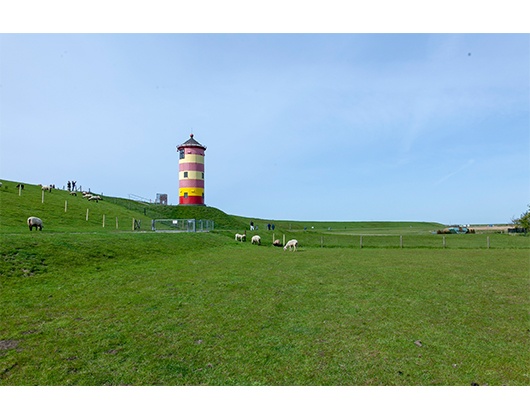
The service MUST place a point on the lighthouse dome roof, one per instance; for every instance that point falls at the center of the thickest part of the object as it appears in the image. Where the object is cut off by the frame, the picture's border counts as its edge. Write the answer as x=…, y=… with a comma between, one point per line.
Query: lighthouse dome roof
x=191, y=142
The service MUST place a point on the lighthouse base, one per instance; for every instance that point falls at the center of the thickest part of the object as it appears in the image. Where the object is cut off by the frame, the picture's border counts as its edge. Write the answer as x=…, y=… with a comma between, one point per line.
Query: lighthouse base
x=191, y=201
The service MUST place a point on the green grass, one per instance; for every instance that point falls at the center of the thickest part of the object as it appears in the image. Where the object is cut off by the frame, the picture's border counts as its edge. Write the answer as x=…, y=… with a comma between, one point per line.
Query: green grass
x=175, y=309
x=86, y=305
x=72, y=216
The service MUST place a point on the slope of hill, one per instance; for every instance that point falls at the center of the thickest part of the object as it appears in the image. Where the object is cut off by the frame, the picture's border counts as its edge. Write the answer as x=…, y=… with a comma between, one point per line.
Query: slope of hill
x=62, y=212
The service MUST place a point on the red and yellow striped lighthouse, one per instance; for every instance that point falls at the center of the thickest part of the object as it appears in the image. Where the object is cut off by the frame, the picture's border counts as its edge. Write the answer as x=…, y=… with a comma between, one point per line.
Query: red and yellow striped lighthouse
x=191, y=172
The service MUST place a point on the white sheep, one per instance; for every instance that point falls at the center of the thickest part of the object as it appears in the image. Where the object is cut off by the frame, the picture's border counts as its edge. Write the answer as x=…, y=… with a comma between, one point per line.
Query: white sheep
x=34, y=221
x=46, y=188
x=292, y=245
x=256, y=240
x=95, y=198
x=241, y=238
x=277, y=243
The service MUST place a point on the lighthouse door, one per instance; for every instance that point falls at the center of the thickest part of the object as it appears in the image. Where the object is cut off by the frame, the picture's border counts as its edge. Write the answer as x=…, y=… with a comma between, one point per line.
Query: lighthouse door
x=191, y=225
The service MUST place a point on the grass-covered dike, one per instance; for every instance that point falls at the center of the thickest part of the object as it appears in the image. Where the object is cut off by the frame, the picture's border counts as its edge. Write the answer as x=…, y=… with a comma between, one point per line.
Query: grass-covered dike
x=86, y=305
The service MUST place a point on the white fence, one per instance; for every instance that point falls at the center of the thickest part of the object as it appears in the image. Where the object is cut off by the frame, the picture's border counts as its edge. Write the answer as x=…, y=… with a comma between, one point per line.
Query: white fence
x=181, y=225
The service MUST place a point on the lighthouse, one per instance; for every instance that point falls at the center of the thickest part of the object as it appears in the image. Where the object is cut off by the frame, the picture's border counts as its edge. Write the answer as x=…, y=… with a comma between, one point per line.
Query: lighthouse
x=191, y=172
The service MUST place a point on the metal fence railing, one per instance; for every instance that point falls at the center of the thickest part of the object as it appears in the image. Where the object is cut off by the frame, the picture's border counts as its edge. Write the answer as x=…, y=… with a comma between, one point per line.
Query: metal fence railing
x=182, y=225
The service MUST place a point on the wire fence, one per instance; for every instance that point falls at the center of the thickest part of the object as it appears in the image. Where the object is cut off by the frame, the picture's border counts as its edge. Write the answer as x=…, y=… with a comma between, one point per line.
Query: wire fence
x=499, y=241
x=470, y=241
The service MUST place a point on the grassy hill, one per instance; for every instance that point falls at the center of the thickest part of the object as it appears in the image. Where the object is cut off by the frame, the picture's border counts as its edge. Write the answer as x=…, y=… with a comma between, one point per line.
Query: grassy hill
x=83, y=304
x=62, y=212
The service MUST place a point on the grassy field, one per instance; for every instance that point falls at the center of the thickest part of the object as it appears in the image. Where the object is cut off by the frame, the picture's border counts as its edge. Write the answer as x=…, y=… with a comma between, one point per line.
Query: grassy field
x=86, y=305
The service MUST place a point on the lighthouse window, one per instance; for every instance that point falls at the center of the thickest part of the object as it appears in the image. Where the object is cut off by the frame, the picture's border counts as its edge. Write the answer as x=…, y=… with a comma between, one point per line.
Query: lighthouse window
x=185, y=174
x=185, y=195
x=203, y=175
x=181, y=154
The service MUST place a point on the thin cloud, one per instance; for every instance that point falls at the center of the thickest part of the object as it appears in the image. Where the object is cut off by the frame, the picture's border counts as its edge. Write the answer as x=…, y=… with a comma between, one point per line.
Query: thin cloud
x=468, y=164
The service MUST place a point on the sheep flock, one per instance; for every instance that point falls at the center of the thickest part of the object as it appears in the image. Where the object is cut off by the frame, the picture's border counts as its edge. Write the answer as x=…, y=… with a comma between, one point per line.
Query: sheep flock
x=291, y=245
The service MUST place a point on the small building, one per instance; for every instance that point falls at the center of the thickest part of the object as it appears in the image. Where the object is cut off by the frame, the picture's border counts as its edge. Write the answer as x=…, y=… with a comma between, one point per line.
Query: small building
x=161, y=199
x=191, y=172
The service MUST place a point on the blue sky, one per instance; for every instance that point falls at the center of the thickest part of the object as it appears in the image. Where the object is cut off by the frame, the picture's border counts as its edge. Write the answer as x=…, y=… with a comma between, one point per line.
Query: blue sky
x=405, y=127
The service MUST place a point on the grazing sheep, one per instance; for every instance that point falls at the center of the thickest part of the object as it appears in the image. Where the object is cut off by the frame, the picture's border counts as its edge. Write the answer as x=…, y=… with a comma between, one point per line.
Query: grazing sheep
x=34, y=221
x=95, y=198
x=73, y=193
x=46, y=188
x=277, y=243
x=292, y=245
x=256, y=240
x=241, y=238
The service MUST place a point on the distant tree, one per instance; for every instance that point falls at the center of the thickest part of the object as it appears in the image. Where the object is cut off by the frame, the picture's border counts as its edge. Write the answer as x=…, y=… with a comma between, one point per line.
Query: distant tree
x=524, y=220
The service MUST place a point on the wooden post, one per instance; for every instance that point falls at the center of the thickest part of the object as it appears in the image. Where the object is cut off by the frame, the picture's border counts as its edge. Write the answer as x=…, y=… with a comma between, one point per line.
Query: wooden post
x=87, y=215
x=133, y=223
x=361, y=241
x=401, y=241
x=65, y=206
x=19, y=189
x=284, y=238
x=443, y=241
x=43, y=196
x=488, y=242
x=321, y=242
x=116, y=223
x=272, y=237
x=103, y=220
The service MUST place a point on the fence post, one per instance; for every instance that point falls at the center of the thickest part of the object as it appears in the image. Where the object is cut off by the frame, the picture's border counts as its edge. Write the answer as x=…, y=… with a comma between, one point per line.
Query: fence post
x=103, y=220
x=43, y=196
x=19, y=189
x=86, y=215
x=65, y=205
x=133, y=224
x=116, y=223
x=284, y=238
x=321, y=242
x=401, y=241
x=443, y=242
x=361, y=240
x=488, y=242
